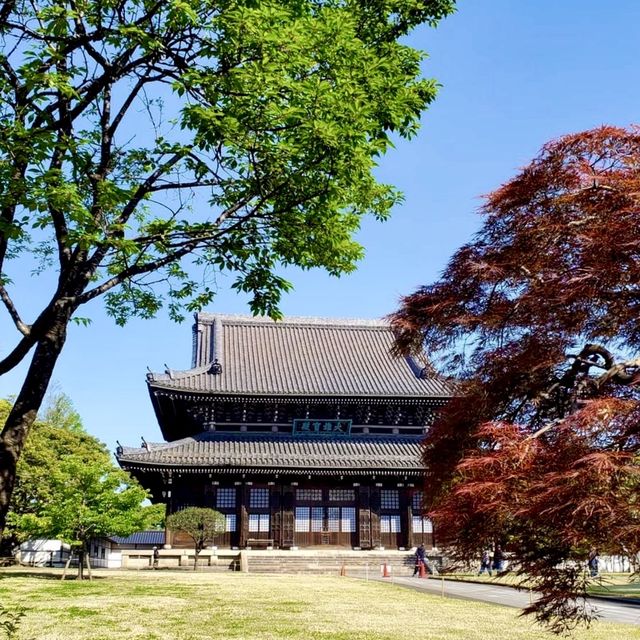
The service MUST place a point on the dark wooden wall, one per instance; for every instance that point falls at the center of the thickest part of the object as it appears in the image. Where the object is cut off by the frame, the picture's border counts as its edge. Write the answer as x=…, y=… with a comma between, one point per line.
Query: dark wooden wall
x=300, y=512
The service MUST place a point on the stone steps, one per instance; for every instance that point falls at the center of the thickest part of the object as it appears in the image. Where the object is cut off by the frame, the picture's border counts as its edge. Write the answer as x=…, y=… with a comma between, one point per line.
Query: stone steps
x=398, y=563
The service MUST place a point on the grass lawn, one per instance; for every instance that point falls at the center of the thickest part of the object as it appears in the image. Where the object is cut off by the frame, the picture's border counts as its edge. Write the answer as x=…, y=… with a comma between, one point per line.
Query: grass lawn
x=176, y=605
x=616, y=586
x=613, y=585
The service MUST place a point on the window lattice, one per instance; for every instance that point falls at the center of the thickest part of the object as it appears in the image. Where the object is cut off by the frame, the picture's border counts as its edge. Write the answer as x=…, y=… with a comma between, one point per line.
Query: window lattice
x=226, y=498
x=348, y=522
x=422, y=525
x=308, y=495
x=231, y=522
x=259, y=499
x=389, y=499
x=316, y=518
x=302, y=519
x=389, y=524
x=333, y=518
x=342, y=495
x=416, y=501
x=258, y=523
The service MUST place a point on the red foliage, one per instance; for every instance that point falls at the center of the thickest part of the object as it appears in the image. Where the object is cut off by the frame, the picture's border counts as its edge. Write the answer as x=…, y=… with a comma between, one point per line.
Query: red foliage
x=540, y=450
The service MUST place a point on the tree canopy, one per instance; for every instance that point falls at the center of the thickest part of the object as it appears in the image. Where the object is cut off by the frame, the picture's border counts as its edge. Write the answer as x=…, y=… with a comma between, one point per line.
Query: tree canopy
x=55, y=437
x=201, y=524
x=91, y=499
x=142, y=143
x=537, y=319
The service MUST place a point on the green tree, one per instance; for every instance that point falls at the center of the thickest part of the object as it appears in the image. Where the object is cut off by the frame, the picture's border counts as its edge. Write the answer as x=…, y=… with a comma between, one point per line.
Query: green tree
x=202, y=525
x=60, y=412
x=93, y=499
x=141, y=139
x=54, y=437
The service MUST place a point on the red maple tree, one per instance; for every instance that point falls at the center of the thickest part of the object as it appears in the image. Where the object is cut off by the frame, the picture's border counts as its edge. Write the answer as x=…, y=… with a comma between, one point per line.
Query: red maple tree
x=538, y=318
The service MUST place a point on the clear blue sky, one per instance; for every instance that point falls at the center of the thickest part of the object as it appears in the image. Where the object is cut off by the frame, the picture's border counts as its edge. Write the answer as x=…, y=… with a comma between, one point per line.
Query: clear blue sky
x=513, y=74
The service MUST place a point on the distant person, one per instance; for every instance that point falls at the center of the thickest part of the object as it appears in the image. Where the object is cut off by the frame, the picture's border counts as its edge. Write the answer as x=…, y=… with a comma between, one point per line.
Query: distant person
x=156, y=555
x=421, y=559
x=498, y=558
x=593, y=562
x=485, y=562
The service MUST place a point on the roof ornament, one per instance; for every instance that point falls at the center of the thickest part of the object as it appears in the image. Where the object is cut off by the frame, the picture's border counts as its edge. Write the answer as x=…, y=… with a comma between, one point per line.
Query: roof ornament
x=216, y=368
x=149, y=374
x=168, y=371
x=119, y=449
x=425, y=373
x=145, y=444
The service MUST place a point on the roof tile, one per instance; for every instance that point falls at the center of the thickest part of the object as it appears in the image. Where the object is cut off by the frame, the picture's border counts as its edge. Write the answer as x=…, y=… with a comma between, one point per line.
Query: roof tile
x=282, y=451
x=300, y=356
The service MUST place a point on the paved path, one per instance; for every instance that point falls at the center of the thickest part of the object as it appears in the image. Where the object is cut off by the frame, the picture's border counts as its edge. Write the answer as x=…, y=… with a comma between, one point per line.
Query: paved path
x=510, y=597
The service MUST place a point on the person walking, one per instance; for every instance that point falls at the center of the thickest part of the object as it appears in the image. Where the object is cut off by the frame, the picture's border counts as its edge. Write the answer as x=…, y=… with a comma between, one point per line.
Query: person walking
x=420, y=560
x=485, y=562
x=498, y=558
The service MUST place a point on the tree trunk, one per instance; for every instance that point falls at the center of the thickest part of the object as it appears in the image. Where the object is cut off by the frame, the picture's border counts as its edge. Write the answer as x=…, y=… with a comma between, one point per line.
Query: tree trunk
x=87, y=554
x=195, y=560
x=81, y=555
x=24, y=411
x=66, y=566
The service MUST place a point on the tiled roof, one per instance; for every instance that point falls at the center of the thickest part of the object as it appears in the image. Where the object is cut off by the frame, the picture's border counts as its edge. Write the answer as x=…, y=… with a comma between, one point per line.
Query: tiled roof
x=142, y=537
x=300, y=356
x=280, y=451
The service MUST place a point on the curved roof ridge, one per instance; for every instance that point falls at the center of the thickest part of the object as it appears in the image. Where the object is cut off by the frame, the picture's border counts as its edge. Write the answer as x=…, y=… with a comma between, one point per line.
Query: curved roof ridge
x=171, y=374
x=204, y=317
x=300, y=356
x=350, y=452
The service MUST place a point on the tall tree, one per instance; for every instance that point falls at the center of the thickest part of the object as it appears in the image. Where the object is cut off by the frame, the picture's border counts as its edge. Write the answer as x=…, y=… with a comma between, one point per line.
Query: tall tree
x=202, y=525
x=93, y=499
x=140, y=139
x=54, y=437
x=538, y=319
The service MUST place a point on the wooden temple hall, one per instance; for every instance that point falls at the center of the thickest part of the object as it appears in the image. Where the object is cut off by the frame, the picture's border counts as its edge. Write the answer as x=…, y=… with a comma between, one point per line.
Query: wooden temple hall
x=304, y=432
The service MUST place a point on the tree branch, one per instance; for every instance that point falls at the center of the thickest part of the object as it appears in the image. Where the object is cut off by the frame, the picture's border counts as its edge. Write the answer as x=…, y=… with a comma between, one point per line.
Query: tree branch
x=23, y=328
x=19, y=352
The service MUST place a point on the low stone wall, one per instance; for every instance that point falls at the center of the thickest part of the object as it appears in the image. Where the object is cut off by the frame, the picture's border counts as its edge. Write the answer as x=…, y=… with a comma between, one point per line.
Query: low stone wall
x=398, y=563
x=279, y=561
x=179, y=558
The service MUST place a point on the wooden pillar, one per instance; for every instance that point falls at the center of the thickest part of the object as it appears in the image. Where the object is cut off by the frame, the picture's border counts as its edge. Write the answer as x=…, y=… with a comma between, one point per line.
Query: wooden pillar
x=288, y=519
x=168, y=492
x=364, y=518
x=405, y=517
x=243, y=527
x=374, y=503
x=209, y=493
x=276, y=514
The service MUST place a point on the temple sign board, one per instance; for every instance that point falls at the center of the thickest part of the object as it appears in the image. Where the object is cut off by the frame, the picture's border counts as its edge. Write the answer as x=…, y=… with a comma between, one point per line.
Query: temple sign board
x=306, y=427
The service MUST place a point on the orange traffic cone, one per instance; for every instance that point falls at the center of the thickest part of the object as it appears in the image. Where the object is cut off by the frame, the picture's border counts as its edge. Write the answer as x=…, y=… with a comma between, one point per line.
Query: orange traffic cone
x=422, y=573
x=385, y=571
x=343, y=570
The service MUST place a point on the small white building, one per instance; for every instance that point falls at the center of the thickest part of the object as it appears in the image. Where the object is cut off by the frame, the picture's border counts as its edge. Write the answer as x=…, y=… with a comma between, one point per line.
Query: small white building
x=106, y=553
x=44, y=553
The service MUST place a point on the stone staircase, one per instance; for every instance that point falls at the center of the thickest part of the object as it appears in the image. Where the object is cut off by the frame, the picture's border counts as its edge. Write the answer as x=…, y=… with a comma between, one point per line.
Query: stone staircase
x=399, y=563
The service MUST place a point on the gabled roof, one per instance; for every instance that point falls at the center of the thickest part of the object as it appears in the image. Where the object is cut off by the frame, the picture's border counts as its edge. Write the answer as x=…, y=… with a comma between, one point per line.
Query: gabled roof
x=280, y=451
x=153, y=537
x=300, y=357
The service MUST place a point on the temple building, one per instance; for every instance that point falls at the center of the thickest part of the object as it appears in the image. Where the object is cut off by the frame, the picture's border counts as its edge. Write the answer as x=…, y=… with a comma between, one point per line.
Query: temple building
x=304, y=432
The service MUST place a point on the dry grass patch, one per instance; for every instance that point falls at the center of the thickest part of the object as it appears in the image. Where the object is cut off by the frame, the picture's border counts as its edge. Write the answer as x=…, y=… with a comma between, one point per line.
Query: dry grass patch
x=617, y=585
x=167, y=605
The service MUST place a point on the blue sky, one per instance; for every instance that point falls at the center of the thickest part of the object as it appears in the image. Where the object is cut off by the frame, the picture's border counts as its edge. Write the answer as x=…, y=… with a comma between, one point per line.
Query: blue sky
x=514, y=75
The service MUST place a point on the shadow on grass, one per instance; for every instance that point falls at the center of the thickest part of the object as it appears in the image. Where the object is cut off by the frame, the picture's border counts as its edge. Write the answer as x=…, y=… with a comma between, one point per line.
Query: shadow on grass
x=44, y=574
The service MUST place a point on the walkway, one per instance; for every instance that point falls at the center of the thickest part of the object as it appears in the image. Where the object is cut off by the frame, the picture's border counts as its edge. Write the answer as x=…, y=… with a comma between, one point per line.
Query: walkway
x=612, y=611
